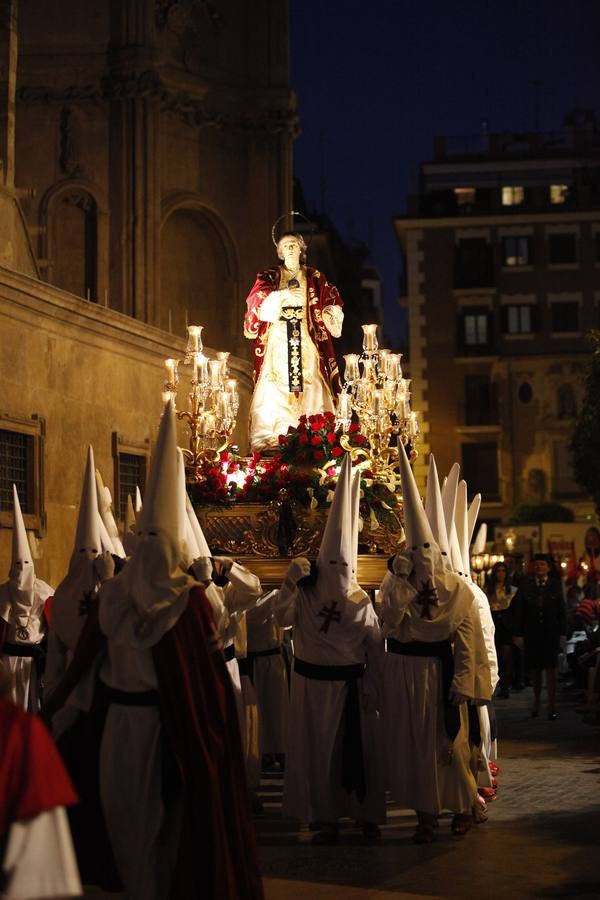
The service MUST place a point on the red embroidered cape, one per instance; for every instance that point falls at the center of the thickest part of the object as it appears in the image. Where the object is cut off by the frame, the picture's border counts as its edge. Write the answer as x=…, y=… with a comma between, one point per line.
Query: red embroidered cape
x=33, y=778
x=217, y=848
x=319, y=295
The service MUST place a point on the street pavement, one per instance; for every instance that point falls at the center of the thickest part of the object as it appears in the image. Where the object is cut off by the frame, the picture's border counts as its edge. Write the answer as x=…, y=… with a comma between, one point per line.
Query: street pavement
x=542, y=838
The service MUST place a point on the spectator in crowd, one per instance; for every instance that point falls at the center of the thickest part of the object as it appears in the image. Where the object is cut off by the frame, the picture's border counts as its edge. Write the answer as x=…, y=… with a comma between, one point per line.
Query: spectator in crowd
x=500, y=594
x=541, y=625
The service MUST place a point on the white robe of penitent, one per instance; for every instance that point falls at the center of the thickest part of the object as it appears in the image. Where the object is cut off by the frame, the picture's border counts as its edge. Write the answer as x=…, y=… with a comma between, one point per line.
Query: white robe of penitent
x=30, y=615
x=312, y=787
x=270, y=678
x=424, y=770
x=40, y=860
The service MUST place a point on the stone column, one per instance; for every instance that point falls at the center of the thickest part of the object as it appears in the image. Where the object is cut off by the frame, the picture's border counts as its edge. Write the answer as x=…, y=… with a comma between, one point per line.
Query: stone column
x=134, y=159
x=8, y=82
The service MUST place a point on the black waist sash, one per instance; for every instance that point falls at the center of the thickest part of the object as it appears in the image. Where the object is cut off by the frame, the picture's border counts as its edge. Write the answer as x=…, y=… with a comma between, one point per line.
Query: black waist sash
x=353, y=764
x=229, y=653
x=441, y=650
x=132, y=698
x=251, y=655
x=36, y=652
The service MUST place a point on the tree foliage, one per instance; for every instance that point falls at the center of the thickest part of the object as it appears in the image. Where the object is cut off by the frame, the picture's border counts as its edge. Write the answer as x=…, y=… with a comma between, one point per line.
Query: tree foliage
x=585, y=441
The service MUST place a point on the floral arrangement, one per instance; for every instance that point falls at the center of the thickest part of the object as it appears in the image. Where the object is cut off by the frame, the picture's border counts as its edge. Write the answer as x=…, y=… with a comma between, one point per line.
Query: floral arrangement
x=306, y=467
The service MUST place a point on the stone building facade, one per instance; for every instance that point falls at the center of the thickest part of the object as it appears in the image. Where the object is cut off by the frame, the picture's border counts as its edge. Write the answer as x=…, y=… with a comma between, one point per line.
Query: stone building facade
x=146, y=149
x=502, y=252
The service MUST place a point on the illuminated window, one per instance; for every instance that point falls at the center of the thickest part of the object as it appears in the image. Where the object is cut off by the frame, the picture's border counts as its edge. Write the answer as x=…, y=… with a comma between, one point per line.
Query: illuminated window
x=558, y=193
x=516, y=251
x=513, y=195
x=465, y=196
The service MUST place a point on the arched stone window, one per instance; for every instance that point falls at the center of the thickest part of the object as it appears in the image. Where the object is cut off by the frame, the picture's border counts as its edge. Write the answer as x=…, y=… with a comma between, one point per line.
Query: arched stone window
x=72, y=222
x=197, y=278
x=566, y=406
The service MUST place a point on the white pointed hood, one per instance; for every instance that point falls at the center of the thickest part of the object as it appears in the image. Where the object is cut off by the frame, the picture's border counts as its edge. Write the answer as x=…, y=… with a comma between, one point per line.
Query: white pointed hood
x=473, y=513
x=202, y=543
x=420, y=543
x=461, y=521
x=22, y=573
x=190, y=544
x=22, y=597
x=154, y=586
x=105, y=508
x=81, y=580
x=336, y=559
x=480, y=540
x=138, y=501
x=130, y=527
x=434, y=510
x=449, y=497
x=87, y=534
x=106, y=544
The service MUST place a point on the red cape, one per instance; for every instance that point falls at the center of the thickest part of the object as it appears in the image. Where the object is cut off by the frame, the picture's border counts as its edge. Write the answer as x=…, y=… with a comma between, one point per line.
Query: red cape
x=217, y=849
x=33, y=778
x=319, y=294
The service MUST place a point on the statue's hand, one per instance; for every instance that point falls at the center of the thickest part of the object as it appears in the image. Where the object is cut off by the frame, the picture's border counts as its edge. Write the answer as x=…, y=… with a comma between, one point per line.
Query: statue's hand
x=295, y=297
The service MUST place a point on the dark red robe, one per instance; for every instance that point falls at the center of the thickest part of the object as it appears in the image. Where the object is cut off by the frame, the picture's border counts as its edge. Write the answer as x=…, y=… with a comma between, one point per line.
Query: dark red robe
x=319, y=295
x=217, y=848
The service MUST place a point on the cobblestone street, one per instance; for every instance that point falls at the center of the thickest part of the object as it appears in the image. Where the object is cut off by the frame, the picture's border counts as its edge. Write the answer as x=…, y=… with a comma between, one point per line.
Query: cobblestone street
x=541, y=839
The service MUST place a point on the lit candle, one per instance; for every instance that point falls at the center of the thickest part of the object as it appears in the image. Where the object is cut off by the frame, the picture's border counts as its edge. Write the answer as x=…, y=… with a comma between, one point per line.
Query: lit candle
x=215, y=372
x=389, y=392
x=171, y=367
x=383, y=358
x=413, y=425
x=210, y=423
x=194, y=342
x=352, y=373
x=393, y=366
x=201, y=367
x=223, y=405
x=378, y=403
x=223, y=356
x=368, y=368
x=369, y=337
x=344, y=406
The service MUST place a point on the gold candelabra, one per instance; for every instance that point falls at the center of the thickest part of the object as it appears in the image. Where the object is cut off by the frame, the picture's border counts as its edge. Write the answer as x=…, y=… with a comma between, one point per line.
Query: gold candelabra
x=213, y=400
x=376, y=392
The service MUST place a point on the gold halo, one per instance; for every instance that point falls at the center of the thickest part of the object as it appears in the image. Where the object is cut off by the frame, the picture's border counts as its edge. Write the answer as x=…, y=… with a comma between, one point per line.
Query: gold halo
x=292, y=212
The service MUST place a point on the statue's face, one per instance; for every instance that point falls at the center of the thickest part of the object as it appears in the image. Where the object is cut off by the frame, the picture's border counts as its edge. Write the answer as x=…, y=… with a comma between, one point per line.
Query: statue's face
x=289, y=250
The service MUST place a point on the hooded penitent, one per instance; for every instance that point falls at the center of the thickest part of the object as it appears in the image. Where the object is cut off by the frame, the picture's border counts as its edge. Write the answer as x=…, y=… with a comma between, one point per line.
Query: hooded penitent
x=80, y=582
x=22, y=597
x=336, y=560
x=154, y=580
x=105, y=508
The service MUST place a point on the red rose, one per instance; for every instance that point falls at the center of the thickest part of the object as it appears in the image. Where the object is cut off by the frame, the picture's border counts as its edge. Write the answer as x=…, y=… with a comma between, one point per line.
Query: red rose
x=318, y=455
x=360, y=440
x=337, y=451
x=316, y=422
x=224, y=456
x=302, y=439
x=315, y=441
x=331, y=437
x=282, y=440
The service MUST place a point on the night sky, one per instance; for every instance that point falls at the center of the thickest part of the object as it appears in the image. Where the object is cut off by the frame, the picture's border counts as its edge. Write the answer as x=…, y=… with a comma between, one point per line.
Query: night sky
x=377, y=80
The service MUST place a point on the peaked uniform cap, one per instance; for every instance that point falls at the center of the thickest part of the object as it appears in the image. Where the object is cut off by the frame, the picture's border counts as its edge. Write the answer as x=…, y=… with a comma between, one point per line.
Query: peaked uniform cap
x=434, y=509
x=87, y=535
x=416, y=524
x=162, y=505
x=201, y=542
x=21, y=551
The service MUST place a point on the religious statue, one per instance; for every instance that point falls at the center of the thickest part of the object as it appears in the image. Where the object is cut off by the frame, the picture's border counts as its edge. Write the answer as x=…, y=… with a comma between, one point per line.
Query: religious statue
x=293, y=312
